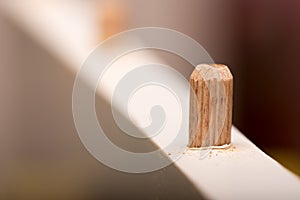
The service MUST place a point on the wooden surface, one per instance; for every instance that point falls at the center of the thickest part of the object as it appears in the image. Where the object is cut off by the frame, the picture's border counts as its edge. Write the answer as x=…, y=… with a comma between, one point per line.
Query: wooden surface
x=210, y=106
x=242, y=171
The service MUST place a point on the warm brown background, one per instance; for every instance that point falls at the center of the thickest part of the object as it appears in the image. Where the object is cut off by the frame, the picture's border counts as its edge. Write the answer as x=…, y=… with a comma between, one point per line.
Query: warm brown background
x=41, y=154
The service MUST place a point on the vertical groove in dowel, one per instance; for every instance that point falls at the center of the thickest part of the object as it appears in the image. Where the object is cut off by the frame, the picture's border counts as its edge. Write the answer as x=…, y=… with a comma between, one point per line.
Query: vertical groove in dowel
x=210, y=106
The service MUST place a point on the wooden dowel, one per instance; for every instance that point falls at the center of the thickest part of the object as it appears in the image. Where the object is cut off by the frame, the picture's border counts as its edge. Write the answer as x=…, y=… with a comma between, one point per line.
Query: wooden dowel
x=210, y=106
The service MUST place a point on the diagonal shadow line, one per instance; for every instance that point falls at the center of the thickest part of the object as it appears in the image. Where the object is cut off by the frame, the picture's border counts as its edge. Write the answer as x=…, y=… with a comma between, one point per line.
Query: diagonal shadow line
x=165, y=183
x=52, y=88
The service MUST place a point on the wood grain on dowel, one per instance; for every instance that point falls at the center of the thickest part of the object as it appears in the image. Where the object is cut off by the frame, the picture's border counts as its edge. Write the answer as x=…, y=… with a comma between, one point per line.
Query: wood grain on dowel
x=210, y=106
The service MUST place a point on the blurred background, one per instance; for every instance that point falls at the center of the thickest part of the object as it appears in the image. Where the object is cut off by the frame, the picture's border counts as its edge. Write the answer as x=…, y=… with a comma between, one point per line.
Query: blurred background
x=44, y=42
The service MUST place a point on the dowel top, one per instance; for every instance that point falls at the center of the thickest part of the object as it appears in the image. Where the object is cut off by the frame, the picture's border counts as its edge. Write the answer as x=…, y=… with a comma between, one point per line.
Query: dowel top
x=210, y=71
